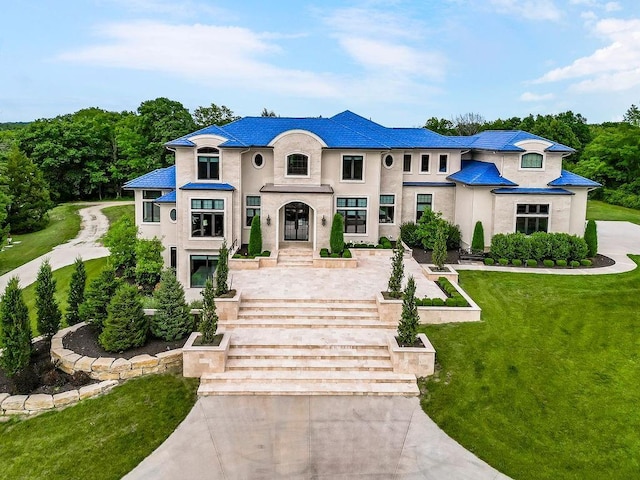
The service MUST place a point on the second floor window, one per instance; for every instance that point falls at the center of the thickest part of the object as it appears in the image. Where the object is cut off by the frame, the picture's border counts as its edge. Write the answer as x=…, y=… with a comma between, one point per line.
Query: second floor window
x=252, y=208
x=208, y=163
x=443, y=164
x=352, y=167
x=531, y=160
x=298, y=164
x=150, y=209
x=207, y=218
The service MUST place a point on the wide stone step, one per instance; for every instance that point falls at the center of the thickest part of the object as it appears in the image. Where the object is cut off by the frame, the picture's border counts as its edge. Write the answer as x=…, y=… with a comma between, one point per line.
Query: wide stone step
x=315, y=376
x=304, y=313
x=303, y=305
x=324, y=302
x=297, y=323
x=379, y=353
x=299, y=364
x=287, y=387
x=310, y=338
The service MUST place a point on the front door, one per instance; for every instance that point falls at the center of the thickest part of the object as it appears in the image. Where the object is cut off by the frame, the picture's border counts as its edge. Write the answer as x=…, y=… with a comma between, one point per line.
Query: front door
x=296, y=221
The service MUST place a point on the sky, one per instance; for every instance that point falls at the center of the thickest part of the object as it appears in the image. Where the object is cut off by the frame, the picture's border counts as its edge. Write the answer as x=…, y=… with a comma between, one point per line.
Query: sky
x=395, y=62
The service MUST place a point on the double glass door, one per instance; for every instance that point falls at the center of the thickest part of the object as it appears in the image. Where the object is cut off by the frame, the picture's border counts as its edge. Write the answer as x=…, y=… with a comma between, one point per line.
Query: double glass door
x=296, y=222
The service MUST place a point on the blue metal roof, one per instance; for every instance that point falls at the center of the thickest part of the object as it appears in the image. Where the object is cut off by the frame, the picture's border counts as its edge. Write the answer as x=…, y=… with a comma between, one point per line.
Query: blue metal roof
x=478, y=173
x=208, y=186
x=428, y=184
x=167, y=198
x=570, y=179
x=160, y=178
x=505, y=141
x=532, y=191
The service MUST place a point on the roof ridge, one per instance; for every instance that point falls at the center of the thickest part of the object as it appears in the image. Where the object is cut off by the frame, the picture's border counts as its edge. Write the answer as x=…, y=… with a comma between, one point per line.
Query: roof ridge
x=357, y=132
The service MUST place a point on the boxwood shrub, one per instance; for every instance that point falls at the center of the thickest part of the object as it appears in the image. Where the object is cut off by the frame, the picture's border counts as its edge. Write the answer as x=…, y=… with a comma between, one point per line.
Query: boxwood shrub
x=532, y=263
x=451, y=302
x=574, y=263
x=324, y=252
x=561, y=263
x=489, y=261
x=548, y=263
x=585, y=262
x=346, y=253
x=503, y=261
x=335, y=255
x=385, y=242
x=538, y=246
x=516, y=262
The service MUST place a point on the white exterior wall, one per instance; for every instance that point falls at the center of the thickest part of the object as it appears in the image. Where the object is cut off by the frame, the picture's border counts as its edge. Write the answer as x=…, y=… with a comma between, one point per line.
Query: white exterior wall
x=391, y=183
x=577, y=223
x=504, y=214
x=296, y=142
x=443, y=201
x=474, y=204
x=253, y=179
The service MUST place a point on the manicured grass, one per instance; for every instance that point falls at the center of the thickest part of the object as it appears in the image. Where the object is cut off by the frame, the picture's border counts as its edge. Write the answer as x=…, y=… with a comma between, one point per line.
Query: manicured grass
x=547, y=386
x=102, y=438
x=64, y=224
x=604, y=211
x=63, y=278
x=116, y=212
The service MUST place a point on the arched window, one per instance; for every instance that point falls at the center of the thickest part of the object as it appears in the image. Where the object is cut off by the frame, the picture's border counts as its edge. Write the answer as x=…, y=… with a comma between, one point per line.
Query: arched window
x=298, y=164
x=208, y=163
x=531, y=160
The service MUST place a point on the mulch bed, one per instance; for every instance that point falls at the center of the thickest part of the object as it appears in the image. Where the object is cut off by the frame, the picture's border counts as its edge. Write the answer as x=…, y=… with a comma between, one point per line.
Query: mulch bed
x=423, y=256
x=84, y=341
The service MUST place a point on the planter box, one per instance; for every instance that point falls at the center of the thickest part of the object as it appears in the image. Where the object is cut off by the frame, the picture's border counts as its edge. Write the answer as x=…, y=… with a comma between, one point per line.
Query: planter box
x=433, y=275
x=253, y=263
x=328, y=262
x=202, y=359
x=420, y=361
x=389, y=311
x=370, y=252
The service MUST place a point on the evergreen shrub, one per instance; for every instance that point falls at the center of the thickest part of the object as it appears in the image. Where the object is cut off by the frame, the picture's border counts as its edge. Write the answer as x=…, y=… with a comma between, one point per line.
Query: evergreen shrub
x=477, y=242
x=410, y=319
x=346, y=253
x=76, y=292
x=585, y=262
x=574, y=263
x=516, y=262
x=15, y=330
x=336, y=239
x=222, y=270
x=255, y=236
x=591, y=238
x=437, y=302
x=324, y=252
x=208, y=317
x=489, y=261
x=98, y=296
x=532, y=263
x=49, y=315
x=548, y=263
x=126, y=325
x=561, y=263
x=172, y=320
x=503, y=261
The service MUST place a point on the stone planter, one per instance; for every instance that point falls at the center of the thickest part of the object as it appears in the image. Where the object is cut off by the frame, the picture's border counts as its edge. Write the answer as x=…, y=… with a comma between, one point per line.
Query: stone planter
x=434, y=275
x=389, y=311
x=253, y=263
x=198, y=360
x=420, y=361
x=328, y=262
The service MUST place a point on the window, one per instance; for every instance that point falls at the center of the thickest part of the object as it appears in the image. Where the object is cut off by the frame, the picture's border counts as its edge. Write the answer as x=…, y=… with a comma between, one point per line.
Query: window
x=252, y=203
x=424, y=163
x=423, y=200
x=387, y=208
x=207, y=218
x=352, y=167
x=174, y=257
x=443, y=164
x=388, y=161
x=201, y=268
x=531, y=160
x=532, y=217
x=258, y=160
x=208, y=163
x=173, y=214
x=354, y=211
x=406, y=162
x=150, y=210
x=298, y=164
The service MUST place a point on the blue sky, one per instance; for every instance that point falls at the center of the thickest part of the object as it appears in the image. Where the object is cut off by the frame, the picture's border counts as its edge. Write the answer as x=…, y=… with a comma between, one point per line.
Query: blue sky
x=396, y=62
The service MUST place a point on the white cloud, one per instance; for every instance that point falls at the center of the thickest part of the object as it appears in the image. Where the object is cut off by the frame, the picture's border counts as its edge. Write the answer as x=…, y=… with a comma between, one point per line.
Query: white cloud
x=529, y=9
x=534, y=97
x=613, y=67
x=612, y=7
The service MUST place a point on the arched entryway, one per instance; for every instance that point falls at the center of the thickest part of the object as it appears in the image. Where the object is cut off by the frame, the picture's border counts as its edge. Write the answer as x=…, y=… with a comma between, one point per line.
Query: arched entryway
x=296, y=222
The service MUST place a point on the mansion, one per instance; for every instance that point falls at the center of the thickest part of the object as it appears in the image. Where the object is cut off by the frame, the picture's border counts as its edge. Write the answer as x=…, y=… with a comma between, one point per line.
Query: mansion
x=296, y=173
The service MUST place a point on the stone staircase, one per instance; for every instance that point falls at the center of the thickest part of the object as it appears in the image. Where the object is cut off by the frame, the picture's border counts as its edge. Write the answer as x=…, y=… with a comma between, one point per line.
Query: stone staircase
x=295, y=257
x=308, y=347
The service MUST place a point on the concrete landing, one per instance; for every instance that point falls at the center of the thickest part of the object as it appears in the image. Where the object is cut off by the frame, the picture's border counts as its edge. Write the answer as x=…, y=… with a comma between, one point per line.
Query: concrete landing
x=271, y=437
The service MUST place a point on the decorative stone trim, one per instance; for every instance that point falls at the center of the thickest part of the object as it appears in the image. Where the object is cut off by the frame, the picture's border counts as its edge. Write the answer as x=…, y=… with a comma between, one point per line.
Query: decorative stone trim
x=202, y=359
x=420, y=361
x=372, y=252
x=111, y=368
x=329, y=262
x=253, y=263
x=39, y=402
x=432, y=275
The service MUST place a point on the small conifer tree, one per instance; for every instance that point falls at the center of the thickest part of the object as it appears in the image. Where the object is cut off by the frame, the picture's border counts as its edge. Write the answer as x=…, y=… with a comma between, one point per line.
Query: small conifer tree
x=222, y=270
x=76, y=292
x=172, y=320
x=49, y=315
x=397, y=271
x=591, y=237
x=439, y=254
x=255, y=237
x=477, y=243
x=15, y=331
x=126, y=325
x=408, y=326
x=336, y=240
x=208, y=316
x=99, y=294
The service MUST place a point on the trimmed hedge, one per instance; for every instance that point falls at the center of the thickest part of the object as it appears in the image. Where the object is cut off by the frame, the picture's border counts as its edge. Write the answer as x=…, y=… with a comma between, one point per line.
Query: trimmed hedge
x=585, y=262
x=538, y=246
x=532, y=263
x=517, y=262
x=574, y=263
x=561, y=263
x=489, y=261
x=548, y=263
x=503, y=261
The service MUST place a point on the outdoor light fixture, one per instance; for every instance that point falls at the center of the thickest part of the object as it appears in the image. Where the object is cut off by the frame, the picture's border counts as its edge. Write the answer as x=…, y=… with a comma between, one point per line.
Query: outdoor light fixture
x=268, y=220
x=324, y=221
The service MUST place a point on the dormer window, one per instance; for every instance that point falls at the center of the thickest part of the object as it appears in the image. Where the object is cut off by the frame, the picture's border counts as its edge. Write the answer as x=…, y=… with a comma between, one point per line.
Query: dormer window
x=298, y=165
x=208, y=163
x=531, y=160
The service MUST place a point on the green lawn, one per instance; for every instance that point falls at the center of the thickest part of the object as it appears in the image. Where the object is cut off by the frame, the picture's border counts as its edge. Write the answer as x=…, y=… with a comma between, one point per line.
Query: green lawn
x=546, y=387
x=116, y=212
x=604, y=211
x=63, y=278
x=102, y=438
x=64, y=224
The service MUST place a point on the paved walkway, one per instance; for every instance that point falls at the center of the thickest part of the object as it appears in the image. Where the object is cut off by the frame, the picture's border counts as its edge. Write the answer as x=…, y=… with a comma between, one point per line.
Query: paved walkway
x=94, y=225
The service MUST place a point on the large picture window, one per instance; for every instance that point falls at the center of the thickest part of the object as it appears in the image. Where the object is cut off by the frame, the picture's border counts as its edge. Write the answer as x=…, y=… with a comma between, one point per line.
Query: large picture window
x=298, y=164
x=150, y=209
x=423, y=200
x=201, y=267
x=208, y=163
x=532, y=217
x=352, y=167
x=387, y=209
x=354, y=211
x=252, y=208
x=207, y=218
x=531, y=160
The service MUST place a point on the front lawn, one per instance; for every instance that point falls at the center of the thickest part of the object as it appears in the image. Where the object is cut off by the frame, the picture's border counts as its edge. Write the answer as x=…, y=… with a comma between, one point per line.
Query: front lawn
x=64, y=224
x=547, y=386
x=101, y=438
x=604, y=211
x=116, y=212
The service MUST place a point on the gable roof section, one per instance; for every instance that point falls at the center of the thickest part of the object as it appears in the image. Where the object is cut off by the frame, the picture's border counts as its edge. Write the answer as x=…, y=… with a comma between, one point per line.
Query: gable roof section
x=505, y=141
x=160, y=178
x=570, y=179
x=478, y=173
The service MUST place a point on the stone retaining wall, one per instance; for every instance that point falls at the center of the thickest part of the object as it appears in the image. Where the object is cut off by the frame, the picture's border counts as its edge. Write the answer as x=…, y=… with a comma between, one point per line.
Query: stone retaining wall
x=112, y=368
x=40, y=402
